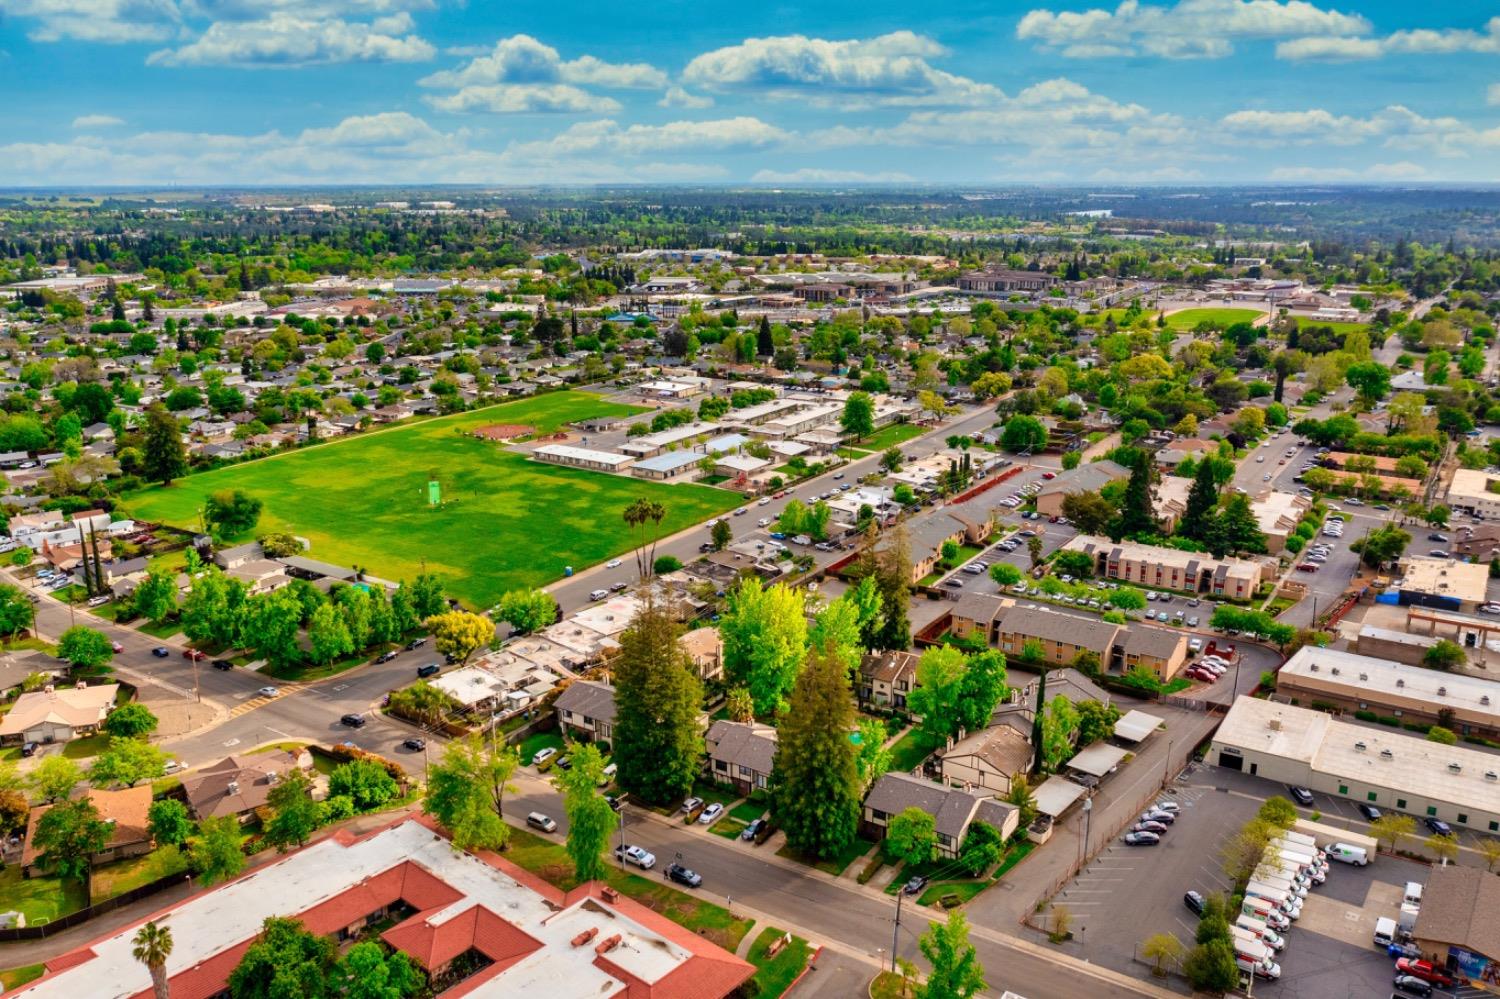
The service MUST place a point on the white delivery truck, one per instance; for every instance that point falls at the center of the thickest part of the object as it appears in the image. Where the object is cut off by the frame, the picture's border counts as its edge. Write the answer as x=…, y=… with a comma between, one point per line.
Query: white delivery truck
x=1347, y=853
x=1309, y=856
x=1285, y=884
x=1262, y=931
x=1255, y=957
x=1266, y=911
x=1413, y=895
x=1285, y=901
x=1325, y=836
x=1278, y=870
x=1407, y=918
x=1385, y=931
x=1293, y=836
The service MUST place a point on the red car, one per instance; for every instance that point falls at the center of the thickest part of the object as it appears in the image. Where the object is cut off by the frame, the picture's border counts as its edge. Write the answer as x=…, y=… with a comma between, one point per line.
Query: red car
x=1425, y=971
x=117, y=646
x=1049, y=475
x=194, y=654
x=1308, y=567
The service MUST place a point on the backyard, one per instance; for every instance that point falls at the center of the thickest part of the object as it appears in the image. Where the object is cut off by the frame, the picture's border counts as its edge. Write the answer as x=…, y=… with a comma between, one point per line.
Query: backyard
x=505, y=521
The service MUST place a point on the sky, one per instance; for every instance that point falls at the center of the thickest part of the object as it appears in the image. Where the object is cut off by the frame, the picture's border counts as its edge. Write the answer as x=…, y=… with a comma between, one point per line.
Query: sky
x=278, y=92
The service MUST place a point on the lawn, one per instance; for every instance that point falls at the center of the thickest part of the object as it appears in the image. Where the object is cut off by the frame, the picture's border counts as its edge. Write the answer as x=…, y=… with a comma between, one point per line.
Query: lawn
x=833, y=865
x=550, y=861
x=41, y=898
x=85, y=747
x=909, y=751
x=127, y=875
x=538, y=741
x=1189, y=318
x=774, y=975
x=164, y=630
x=14, y=978
x=506, y=522
x=890, y=436
x=1303, y=323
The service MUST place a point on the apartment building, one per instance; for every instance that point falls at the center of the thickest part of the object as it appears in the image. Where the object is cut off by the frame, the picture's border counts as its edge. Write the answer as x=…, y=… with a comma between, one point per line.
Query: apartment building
x=1171, y=569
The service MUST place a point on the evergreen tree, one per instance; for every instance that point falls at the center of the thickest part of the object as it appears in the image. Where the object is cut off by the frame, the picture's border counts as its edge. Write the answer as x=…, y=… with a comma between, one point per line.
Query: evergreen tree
x=815, y=783
x=1235, y=529
x=1202, y=499
x=764, y=346
x=658, y=744
x=163, y=456
x=1137, y=512
x=889, y=564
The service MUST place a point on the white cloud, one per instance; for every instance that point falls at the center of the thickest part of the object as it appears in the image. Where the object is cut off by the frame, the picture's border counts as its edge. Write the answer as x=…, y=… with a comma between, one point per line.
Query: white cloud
x=676, y=97
x=287, y=40
x=890, y=70
x=1393, y=172
x=108, y=21
x=97, y=121
x=1188, y=29
x=521, y=74
x=1393, y=127
x=814, y=175
x=1492, y=95
x=608, y=136
x=1415, y=41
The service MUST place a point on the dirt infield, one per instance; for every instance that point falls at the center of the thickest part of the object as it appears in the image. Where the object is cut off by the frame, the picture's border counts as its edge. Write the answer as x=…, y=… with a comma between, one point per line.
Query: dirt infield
x=503, y=431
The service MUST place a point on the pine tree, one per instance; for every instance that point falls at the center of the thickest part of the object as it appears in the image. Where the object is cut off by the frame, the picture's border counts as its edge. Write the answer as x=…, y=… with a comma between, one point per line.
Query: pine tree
x=1202, y=499
x=1137, y=512
x=658, y=744
x=815, y=785
x=764, y=345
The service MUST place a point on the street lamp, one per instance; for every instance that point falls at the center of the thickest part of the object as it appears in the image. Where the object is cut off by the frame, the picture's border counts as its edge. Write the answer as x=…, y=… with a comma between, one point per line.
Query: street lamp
x=1088, y=811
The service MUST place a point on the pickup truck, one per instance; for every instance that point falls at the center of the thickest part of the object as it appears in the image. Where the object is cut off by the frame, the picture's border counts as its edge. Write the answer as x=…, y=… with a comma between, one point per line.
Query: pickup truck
x=1424, y=970
x=639, y=856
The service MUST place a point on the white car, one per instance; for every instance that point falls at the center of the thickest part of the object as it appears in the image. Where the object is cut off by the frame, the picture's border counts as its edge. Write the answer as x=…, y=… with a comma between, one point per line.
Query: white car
x=268, y=692
x=1490, y=609
x=613, y=563
x=710, y=813
x=639, y=856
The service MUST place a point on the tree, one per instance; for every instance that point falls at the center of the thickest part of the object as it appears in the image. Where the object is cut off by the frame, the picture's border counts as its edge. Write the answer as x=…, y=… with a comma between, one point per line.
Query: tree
x=1371, y=379
x=1023, y=434
x=163, y=456
x=1384, y=544
x=1211, y=967
x=956, y=972
x=1489, y=849
x=1244, y=852
x=873, y=758
x=170, y=824
x=739, y=706
x=1444, y=654
x=215, y=853
x=1278, y=811
x=155, y=598
x=1443, y=846
x=294, y=815
x=84, y=648
x=365, y=782
x=815, y=784
x=1090, y=512
x=891, y=459
x=643, y=516
x=1128, y=598
x=130, y=721
x=765, y=346
x=368, y=972
x=858, y=418
x=1034, y=549
x=1138, y=508
x=427, y=597
x=658, y=744
x=328, y=636
x=460, y=634
x=1005, y=574
x=935, y=697
x=67, y=836
x=911, y=836
x=1096, y=721
x=231, y=512
x=1020, y=795
x=1393, y=830
x=270, y=626
x=590, y=817
x=284, y=961
x=16, y=610
x=1079, y=564
x=54, y=778
x=1439, y=734
x=982, y=688
x=837, y=626
x=721, y=534
x=1203, y=499
x=1163, y=950
x=765, y=640
x=127, y=761
x=466, y=792
x=525, y=610
x=152, y=945
x=982, y=848
x=1059, y=728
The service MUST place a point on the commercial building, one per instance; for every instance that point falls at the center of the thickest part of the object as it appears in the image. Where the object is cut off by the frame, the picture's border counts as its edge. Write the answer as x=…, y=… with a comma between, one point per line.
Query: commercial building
x=1469, y=705
x=1475, y=492
x=1388, y=768
x=1086, y=478
x=1456, y=927
x=582, y=457
x=492, y=928
x=1442, y=583
x=647, y=445
x=671, y=465
x=999, y=281
x=1397, y=646
x=1171, y=569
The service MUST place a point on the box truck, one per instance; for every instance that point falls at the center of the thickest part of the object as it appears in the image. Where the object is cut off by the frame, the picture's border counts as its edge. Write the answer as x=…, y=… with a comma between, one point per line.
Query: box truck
x=1262, y=932
x=1385, y=931
x=1266, y=911
x=1284, y=901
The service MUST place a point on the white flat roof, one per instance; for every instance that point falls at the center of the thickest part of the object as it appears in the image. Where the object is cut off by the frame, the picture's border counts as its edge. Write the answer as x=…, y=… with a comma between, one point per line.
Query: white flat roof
x=1346, y=669
x=1097, y=760
x=1445, y=577
x=585, y=454
x=1056, y=795
x=671, y=435
x=1136, y=726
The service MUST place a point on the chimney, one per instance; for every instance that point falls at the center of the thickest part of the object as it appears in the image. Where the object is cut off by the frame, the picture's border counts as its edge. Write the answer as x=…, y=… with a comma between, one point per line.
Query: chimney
x=609, y=895
x=608, y=945
x=233, y=787
x=585, y=936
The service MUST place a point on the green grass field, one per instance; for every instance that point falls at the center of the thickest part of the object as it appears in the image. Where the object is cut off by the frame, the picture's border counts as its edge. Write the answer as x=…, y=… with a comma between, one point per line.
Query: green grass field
x=1303, y=323
x=506, y=521
x=1189, y=318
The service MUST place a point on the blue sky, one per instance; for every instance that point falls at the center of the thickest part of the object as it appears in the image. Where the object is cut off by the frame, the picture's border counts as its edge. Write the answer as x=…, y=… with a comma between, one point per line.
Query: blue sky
x=429, y=91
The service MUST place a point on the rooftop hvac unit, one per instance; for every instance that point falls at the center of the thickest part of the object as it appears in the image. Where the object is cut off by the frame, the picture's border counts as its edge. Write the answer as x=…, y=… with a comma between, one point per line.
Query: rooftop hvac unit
x=1364, y=676
x=1484, y=698
x=1454, y=768
x=1442, y=691
x=1400, y=682
x=1274, y=724
x=1491, y=775
x=1334, y=671
x=1360, y=746
x=1313, y=668
x=1386, y=754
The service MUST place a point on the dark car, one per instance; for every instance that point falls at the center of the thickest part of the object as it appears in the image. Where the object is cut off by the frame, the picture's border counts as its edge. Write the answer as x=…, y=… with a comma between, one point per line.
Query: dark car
x=1438, y=826
x=1150, y=827
x=915, y=885
x=161, y=652
x=1412, y=985
x=431, y=669
x=684, y=876
x=223, y=664
x=353, y=720
x=415, y=643
x=753, y=828
x=1437, y=537
x=1370, y=812
x=564, y=763
x=1194, y=901
x=28, y=749
x=616, y=801
x=415, y=745
x=1302, y=795
x=386, y=657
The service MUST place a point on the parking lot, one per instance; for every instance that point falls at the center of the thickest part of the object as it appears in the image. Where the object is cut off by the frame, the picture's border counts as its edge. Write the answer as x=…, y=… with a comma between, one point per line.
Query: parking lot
x=1329, y=953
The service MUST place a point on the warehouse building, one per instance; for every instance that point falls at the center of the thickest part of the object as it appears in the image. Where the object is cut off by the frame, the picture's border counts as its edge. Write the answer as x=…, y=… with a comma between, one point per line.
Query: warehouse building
x=1442, y=583
x=1387, y=768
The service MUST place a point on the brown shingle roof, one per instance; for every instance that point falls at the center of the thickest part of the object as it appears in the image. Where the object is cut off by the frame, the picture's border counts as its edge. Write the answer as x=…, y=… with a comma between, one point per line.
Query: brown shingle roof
x=1458, y=907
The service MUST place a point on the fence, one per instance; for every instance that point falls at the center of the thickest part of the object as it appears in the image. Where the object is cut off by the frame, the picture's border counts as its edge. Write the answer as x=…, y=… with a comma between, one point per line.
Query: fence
x=72, y=919
x=987, y=484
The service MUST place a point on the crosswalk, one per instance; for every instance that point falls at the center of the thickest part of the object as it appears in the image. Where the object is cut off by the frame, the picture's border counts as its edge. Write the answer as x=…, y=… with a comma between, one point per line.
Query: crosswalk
x=260, y=701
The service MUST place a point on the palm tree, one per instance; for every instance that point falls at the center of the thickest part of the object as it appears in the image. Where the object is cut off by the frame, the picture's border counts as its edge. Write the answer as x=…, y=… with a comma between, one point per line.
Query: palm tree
x=638, y=514
x=152, y=947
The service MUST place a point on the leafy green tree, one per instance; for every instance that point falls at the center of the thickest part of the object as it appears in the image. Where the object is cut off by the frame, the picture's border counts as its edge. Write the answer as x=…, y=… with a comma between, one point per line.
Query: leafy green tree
x=1278, y=811
x=215, y=852
x=1163, y=950
x=891, y=459
x=156, y=597
x=527, y=610
x=170, y=823
x=285, y=961
x=1444, y=654
x=873, y=758
x=983, y=847
x=956, y=972
x=84, y=648
x=815, y=782
x=67, y=836
x=982, y=688
x=858, y=418
x=294, y=815
x=1444, y=736
x=1023, y=433
x=1393, y=830
x=1371, y=379
x=721, y=534
x=1137, y=509
x=936, y=695
x=365, y=782
x=838, y=625
x=1059, y=728
x=130, y=721
x=765, y=638
x=658, y=743
x=54, y=778
x=163, y=455
x=1096, y=721
x=1128, y=598
x=1090, y=512
x=466, y=792
x=16, y=609
x=127, y=761
x=911, y=836
x=328, y=635
x=427, y=597
x=590, y=817
x=1235, y=529
x=231, y=512
x=460, y=634
x=368, y=972
x=404, y=616
x=1211, y=967
x=213, y=608
x=1005, y=574
x=271, y=624
x=1384, y=544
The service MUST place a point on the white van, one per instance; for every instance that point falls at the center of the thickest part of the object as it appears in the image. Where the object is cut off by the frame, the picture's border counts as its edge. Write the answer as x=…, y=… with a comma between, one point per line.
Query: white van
x=1385, y=932
x=1259, y=908
x=1262, y=932
x=1260, y=969
x=598, y=594
x=1413, y=894
x=537, y=820
x=1346, y=854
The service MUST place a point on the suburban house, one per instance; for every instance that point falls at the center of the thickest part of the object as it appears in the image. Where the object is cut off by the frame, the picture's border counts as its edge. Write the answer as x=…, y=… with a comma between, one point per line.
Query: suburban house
x=953, y=808
x=58, y=714
x=586, y=710
x=987, y=760
x=238, y=785
x=1089, y=477
x=1171, y=569
x=886, y=678
x=741, y=754
x=1278, y=514
x=706, y=650
x=126, y=812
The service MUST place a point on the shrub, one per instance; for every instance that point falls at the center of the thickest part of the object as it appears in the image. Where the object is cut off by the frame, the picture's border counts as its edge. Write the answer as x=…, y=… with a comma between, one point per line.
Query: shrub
x=1364, y=715
x=1388, y=720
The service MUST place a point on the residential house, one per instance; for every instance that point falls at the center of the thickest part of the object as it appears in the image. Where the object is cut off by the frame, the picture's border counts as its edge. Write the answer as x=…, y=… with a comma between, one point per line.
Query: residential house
x=705, y=648
x=986, y=761
x=953, y=809
x=58, y=714
x=1089, y=477
x=238, y=785
x=886, y=679
x=125, y=810
x=586, y=710
x=741, y=754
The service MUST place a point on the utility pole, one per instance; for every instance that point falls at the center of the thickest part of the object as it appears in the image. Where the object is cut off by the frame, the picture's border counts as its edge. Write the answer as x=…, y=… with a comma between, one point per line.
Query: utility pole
x=896, y=930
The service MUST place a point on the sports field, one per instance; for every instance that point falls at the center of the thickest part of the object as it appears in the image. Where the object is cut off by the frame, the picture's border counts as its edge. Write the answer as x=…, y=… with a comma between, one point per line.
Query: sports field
x=1220, y=318
x=505, y=521
x=1303, y=323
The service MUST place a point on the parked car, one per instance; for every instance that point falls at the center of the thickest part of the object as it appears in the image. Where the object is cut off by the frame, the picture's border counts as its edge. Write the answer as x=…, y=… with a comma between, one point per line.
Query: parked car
x=1194, y=901
x=1141, y=839
x=1438, y=826
x=1300, y=794
x=710, y=813
x=386, y=657
x=691, y=804
x=431, y=669
x=415, y=745
x=1149, y=827
x=1167, y=805
x=1153, y=815
x=1424, y=970
x=1370, y=812
x=415, y=643
x=28, y=749
x=752, y=829
x=639, y=856
x=161, y=652
x=117, y=647
x=684, y=876
x=545, y=823
x=194, y=655
x=1412, y=985
x=915, y=885
x=544, y=755
x=353, y=721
